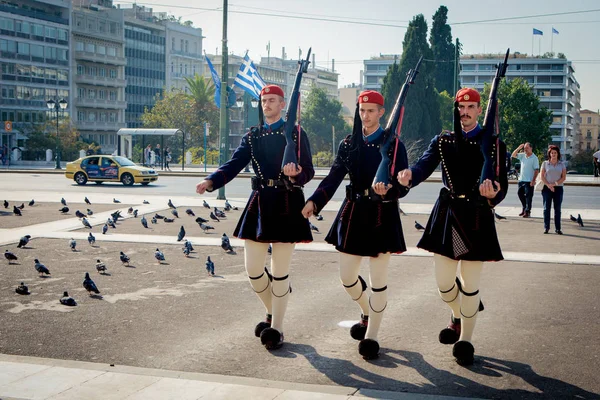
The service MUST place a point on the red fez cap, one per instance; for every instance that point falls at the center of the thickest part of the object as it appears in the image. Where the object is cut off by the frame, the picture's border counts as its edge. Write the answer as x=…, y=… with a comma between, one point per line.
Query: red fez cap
x=272, y=89
x=468, y=94
x=370, y=96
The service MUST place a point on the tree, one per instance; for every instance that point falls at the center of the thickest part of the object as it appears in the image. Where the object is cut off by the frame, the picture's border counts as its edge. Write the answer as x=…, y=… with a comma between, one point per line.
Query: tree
x=319, y=116
x=202, y=90
x=522, y=119
x=582, y=162
x=422, y=112
x=443, y=50
x=446, y=101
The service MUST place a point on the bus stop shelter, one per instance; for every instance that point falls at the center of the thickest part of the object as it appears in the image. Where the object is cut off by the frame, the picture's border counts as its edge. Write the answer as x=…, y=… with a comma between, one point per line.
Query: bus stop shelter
x=125, y=144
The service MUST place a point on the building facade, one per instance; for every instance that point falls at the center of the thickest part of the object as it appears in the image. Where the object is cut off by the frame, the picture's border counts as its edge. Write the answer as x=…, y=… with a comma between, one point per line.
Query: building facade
x=184, y=57
x=35, y=42
x=552, y=79
x=590, y=130
x=376, y=69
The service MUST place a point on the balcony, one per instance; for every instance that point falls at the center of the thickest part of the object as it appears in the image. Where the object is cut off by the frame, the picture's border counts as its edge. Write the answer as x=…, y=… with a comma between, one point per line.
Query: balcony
x=100, y=126
x=186, y=55
x=100, y=81
x=99, y=58
x=98, y=103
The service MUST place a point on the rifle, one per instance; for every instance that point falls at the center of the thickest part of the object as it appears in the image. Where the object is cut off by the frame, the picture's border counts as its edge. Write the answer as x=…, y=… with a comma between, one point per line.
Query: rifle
x=393, y=128
x=290, y=117
x=488, y=132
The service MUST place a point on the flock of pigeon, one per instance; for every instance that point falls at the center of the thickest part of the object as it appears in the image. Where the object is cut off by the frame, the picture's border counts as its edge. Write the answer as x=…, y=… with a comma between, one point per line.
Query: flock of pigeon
x=88, y=283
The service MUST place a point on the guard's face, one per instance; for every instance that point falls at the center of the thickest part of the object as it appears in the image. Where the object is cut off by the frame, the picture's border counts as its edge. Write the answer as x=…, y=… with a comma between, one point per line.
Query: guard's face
x=272, y=105
x=469, y=112
x=370, y=113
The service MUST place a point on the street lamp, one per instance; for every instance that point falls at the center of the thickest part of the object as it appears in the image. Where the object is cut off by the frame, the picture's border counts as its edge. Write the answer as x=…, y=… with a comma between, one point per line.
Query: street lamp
x=244, y=104
x=60, y=105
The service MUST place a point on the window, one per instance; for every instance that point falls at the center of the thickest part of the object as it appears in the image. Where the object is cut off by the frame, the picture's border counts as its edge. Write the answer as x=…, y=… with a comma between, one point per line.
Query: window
x=93, y=71
x=63, y=35
x=113, y=73
x=37, y=51
x=588, y=147
x=102, y=26
x=80, y=115
x=23, y=48
x=485, y=67
x=80, y=69
x=111, y=51
x=186, y=46
x=37, y=30
x=90, y=47
x=51, y=32
x=557, y=120
x=113, y=95
x=91, y=93
x=589, y=120
x=102, y=94
x=102, y=72
x=181, y=45
x=172, y=43
x=588, y=134
x=103, y=117
x=468, y=67
x=527, y=67
x=558, y=67
x=112, y=117
x=544, y=67
x=101, y=50
x=556, y=79
x=63, y=75
x=80, y=93
x=7, y=24
x=79, y=46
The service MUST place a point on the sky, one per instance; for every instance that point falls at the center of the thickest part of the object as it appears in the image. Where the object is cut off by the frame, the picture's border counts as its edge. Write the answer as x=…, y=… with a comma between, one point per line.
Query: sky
x=369, y=29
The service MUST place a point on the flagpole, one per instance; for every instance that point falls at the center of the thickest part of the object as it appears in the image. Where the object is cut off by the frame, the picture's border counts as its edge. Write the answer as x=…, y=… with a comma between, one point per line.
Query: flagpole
x=532, y=36
x=552, y=41
x=224, y=102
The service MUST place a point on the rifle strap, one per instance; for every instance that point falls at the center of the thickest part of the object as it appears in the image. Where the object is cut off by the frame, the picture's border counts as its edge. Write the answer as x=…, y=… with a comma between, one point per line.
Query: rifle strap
x=299, y=127
x=397, y=134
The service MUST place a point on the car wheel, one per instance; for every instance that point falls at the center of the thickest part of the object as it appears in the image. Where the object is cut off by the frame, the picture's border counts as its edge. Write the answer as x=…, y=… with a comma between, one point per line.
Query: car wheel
x=80, y=178
x=127, y=179
x=145, y=183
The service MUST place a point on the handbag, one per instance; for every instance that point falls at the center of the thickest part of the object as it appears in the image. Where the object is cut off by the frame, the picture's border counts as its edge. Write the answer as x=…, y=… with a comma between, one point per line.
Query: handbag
x=539, y=185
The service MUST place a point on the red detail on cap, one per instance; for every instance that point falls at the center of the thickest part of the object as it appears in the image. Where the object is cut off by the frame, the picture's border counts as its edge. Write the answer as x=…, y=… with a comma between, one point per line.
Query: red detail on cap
x=467, y=94
x=370, y=96
x=272, y=89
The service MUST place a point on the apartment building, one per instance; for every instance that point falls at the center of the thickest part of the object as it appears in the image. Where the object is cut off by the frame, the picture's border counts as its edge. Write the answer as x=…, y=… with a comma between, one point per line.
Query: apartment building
x=590, y=130
x=184, y=57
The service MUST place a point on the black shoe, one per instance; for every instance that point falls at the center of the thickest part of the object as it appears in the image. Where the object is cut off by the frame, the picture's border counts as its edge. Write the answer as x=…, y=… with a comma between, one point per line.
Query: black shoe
x=546, y=231
x=451, y=333
x=262, y=325
x=464, y=353
x=558, y=232
x=359, y=330
x=368, y=349
x=271, y=339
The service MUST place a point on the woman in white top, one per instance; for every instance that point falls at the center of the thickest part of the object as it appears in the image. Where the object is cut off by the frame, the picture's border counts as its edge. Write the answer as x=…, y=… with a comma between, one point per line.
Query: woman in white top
x=554, y=173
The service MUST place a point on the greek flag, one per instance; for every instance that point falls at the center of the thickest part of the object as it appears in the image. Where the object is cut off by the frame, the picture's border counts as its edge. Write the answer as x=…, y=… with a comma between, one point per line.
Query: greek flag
x=249, y=79
x=537, y=32
x=554, y=31
x=216, y=81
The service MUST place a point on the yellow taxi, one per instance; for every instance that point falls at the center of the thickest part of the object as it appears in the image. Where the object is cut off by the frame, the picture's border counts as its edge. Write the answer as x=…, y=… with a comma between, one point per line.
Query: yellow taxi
x=105, y=168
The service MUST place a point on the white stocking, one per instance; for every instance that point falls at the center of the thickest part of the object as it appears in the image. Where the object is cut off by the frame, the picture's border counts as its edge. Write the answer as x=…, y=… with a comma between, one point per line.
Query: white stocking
x=349, y=268
x=470, y=275
x=255, y=255
x=280, y=290
x=445, y=275
x=378, y=271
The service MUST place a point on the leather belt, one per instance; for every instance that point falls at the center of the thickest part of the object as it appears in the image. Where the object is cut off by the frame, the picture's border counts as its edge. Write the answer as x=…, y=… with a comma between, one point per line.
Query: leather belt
x=258, y=183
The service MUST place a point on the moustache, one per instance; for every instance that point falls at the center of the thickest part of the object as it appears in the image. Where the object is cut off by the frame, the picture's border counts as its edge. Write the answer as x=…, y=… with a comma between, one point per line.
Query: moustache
x=465, y=116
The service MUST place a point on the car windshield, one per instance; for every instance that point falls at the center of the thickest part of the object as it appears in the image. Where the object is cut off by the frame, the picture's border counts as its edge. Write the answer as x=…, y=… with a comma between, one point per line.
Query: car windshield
x=124, y=162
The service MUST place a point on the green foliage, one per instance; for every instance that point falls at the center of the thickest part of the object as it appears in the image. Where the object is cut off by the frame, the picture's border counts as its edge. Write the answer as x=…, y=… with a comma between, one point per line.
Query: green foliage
x=319, y=116
x=322, y=159
x=583, y=162
x=198, y=156
x=443, y=50
x=43, y=136
x=522, y=119
x=446, y=110
x=422, y=113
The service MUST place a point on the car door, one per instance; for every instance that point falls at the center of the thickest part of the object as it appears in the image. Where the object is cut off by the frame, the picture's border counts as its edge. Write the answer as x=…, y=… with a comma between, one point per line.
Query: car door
x=91, y=166
x=109, y=169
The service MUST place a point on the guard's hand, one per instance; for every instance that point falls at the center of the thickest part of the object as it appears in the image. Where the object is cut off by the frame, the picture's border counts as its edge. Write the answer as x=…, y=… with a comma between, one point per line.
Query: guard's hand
x=405, y=176
x=290, y=170
x=204, y=186
x=309, y=209
x=486, y=189
x=381, y=188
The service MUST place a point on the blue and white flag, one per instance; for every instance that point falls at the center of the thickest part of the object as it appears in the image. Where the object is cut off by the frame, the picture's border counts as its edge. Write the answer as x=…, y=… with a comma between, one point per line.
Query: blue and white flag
x=249, y=79
x=216, y=81
x=554, y=30
x=538, y=32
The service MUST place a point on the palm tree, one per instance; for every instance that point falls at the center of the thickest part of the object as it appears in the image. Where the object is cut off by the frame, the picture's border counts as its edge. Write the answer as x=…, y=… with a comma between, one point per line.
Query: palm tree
x=203, y=93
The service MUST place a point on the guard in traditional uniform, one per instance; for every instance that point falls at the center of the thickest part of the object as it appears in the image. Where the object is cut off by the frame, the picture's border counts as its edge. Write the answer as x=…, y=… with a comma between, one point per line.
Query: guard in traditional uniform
x=368, y=222
x=273, y=212
x=461, y=227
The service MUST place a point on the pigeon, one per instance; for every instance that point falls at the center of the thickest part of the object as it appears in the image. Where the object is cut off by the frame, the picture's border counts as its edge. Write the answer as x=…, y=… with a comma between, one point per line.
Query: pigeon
x=87, y=201
x=111, y=223
x=146, y=202
x=63, y=201
x=573, y=218
x=116, y=201
x=91, y=239
x=130, y=210
x=41, y=268
x=188, y=244
x=205, y=227
x=64, y=210
x=205, y=204
x=73, y=244
x=498, y=216
x=85, y=223
x=67, y=300
x=10, y=257
x=23, y=241
x=186, y=251
x=227, y=208
x=22, y=289
x=5, y=204
x=170, y=204
x=90, y=212
x=175, y=213
x=79, y=214
x=190, y=212
x=31, y=203
x=168, y=219
x=225, y=244
x=214, y=217
x=210, y=266
x=154, y=220
x=158, y=216
x=22, y=206
x=89, y=284
x=579, y=220
x=418, y=226
x=230, y=206
x=200, y=220
x=319, y=217
x=219, y=213
x=104, y=229
x=270, y=249
x=135, y=213
x=181, y=234
x=116, y=215
x=144, y=222
x=159, y=256
x=17, y=211
x=124, y=258
x=313, y=228
x=101, y=267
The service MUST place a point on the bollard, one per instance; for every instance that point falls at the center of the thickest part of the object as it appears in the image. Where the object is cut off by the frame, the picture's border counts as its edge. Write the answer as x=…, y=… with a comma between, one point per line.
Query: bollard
x=49, y=155
x=188, y=157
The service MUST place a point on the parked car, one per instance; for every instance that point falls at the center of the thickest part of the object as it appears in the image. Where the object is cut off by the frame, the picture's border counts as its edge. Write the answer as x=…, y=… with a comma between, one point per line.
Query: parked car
x=105, y=168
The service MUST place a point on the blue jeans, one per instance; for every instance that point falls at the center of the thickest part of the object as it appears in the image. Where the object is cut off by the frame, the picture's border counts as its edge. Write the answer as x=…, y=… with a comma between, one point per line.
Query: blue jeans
x=525, y=193
x=550, y=196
